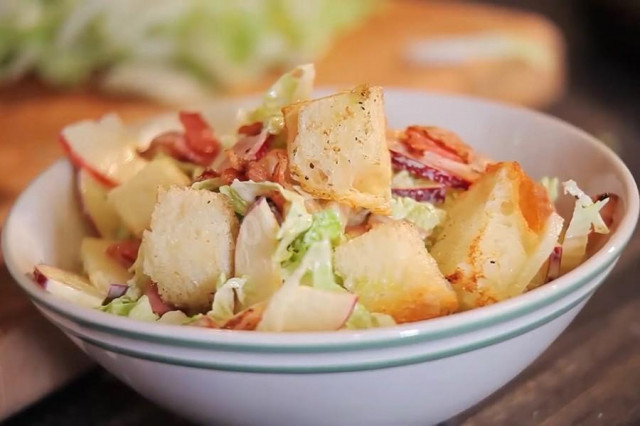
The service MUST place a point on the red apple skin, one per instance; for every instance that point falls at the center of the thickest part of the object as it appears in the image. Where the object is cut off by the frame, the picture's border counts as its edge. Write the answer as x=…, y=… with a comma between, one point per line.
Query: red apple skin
x=403, y=162
x=200, y=137
x=433, y=195
x=39, y=278
x=81, y=164
x=349, y=312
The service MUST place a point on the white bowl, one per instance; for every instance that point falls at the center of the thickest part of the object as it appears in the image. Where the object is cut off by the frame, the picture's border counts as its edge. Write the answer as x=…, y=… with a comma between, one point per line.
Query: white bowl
x=419, y=373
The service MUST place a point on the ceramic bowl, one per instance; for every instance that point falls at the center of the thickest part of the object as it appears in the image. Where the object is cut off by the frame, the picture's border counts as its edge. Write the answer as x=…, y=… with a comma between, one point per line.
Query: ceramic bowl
x=419, y=373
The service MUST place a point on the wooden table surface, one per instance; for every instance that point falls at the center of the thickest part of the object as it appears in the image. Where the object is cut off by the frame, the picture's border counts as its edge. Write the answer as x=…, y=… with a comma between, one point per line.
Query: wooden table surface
x=589, y=376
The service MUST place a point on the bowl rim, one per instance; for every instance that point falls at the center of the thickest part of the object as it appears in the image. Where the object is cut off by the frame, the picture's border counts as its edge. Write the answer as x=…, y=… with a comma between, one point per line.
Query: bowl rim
x=427, y=330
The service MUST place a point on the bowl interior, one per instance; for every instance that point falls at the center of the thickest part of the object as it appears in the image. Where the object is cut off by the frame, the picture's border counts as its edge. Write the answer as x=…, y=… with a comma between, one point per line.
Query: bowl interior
x=45, y=225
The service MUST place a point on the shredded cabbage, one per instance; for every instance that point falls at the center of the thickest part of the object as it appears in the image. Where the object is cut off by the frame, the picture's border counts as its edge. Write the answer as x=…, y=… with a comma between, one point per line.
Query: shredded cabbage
x=422, y=214
x=173, y=51
x=224, y=300
x=326, y=225
x=551, y=184
x=586, y=217
x=294, y=86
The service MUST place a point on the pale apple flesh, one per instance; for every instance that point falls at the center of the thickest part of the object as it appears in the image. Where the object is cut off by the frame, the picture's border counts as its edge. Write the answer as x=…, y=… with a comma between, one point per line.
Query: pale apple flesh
x=93, y=200
x=303, y=308
x=68, y=286
x=103, y=148
x=102, y=269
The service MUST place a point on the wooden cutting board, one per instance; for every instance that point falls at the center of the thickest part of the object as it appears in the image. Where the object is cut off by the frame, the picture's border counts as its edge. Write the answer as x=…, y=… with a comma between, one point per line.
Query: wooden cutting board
x=34, y=357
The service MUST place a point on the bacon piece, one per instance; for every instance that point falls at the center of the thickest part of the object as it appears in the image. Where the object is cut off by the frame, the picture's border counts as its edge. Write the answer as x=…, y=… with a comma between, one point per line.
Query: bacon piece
x=125, y=252
x=438, y=140
x=252, y=129
x=230, y=174
x=199, y=135
x=207, y=174
x=158, y=306
x=174, y=144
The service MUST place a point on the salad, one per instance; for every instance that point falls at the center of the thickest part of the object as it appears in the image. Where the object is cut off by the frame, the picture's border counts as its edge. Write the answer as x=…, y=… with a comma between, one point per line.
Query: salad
x=312, y=216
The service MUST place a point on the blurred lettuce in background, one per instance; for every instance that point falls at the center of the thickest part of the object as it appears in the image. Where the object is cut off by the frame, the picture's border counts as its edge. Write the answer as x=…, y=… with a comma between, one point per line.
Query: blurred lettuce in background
x=169, y=50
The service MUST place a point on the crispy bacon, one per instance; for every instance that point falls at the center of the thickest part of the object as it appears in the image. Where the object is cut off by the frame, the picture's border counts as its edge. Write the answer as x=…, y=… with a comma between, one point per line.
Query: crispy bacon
x=158, y=306
x=438, y=140
x=252, y=129
x=174, y=144
x=124, y=252
x=199, y=135
x=257, y=172
x=207, y=174
x=230, y=174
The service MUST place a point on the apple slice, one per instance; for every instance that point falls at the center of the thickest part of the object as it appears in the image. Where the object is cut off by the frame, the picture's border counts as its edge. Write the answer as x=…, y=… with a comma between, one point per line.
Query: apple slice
x=93, y=198
x=102, y=269
x=104, y=148
x=404, y=161
x=134, y=200
x=302, y=308
x=256, y=244
x=68, y=286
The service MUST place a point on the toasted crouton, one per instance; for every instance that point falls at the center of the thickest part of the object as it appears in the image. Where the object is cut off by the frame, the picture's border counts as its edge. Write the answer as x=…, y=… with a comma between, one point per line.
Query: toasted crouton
x=496, y=236
x=391, y=271
x=337, y=148
x=191, y=242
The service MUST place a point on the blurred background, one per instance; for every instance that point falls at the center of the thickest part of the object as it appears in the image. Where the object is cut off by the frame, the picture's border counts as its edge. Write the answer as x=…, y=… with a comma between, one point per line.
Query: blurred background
x=65, y=60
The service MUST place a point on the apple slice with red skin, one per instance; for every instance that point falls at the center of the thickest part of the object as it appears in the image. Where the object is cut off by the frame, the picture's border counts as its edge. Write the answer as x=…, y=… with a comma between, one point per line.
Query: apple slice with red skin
x=303, y=308
x=68, y=286
x=103, y=148
x=404, y=161
x=93, y=200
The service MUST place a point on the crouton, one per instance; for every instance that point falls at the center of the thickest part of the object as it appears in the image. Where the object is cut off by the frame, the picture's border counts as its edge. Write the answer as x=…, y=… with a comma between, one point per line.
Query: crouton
x=190, y=244
x=496, y=236
x=337, y=148
x=391, y=271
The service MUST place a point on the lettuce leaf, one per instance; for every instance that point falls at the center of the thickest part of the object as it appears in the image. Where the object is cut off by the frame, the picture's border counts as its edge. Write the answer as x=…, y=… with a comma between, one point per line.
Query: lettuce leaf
x=174, y=317
x=586, y=218
x=424, y=215
x=293, y=86
x=326, y=225
x=551, y=184
x=361, y=318
x=296, y=218
x=120, y=306
x=224, y=300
